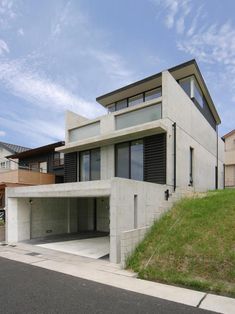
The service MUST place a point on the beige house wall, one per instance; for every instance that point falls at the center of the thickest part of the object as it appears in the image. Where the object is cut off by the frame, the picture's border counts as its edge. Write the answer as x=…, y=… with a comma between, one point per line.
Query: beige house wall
x=229, y=160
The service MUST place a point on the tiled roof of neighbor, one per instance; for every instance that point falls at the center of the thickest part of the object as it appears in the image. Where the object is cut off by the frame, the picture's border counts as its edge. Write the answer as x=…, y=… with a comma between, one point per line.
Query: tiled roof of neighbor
x=14, y=148
x=37, y=150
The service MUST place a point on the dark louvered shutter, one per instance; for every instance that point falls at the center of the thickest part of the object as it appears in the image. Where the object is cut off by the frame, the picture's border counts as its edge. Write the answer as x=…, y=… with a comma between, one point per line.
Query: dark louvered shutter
x=155, y=158
x=70, y=167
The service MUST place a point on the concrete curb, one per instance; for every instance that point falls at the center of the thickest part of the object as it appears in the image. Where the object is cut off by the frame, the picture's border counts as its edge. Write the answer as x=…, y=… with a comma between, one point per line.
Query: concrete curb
x=111, y=274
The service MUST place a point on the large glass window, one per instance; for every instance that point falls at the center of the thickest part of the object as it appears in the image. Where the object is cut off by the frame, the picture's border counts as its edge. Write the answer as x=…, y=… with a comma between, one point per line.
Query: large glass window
x=198, y=94
x=129, y=160
x=138, y=99
x=111, y=108
x=135, y=100
x=84, y=132
x=152, y=94
x=143, y=115
x=89, y=165
x=186, y=85
x=121, y=104
x=122, y=160
x=137, y=160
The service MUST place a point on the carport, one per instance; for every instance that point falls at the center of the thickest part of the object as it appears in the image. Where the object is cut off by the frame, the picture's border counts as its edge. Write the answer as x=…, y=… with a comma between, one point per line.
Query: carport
x=73, y=224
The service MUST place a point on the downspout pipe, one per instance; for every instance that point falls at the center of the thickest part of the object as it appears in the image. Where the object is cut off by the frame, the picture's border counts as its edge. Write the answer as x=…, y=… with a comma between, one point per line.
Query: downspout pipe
x=174, y=163
x=217, y=159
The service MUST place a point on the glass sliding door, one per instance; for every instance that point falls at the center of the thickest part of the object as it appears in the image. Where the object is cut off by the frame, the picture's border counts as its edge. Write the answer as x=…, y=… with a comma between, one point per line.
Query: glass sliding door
x=85, y=166
x=122, y=160
x=95, y=164
x=137, y=160
x=90, y=165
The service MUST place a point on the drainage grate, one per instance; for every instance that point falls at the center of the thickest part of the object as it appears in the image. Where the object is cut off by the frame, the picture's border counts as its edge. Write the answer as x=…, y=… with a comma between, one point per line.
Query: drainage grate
x=33, y=254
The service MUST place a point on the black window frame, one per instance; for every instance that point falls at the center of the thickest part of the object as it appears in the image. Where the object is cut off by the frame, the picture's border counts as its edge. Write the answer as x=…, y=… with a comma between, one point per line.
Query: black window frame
x=203, y=109
x=127, y=99
x=90, y=171
x=129, y=157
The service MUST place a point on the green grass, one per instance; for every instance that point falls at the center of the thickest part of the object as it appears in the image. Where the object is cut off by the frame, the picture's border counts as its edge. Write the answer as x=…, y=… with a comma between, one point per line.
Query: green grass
x=193, y=245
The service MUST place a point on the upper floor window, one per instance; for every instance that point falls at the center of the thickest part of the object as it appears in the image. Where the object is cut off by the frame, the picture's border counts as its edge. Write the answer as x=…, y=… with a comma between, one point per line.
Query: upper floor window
x=121, y=104
x=5, y=164
x=58, y=159
x=152, y=94
x=84, y=132
x=89, y=165
x=192, y=89
x=135, y=100
x=138, y=99
x=138, y=116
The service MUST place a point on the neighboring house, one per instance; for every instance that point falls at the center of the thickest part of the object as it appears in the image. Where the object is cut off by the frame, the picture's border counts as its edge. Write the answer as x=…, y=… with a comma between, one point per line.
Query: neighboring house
x=229, y=158
x=43, y=159
x=7, y=149
x=124, y=170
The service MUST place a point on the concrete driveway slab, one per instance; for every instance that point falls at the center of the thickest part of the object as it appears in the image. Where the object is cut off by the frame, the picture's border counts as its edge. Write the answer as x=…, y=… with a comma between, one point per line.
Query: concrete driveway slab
x=92, y=247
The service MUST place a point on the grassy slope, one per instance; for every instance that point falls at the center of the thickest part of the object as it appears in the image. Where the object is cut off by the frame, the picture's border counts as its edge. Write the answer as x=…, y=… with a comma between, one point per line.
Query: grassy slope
x=192, y=245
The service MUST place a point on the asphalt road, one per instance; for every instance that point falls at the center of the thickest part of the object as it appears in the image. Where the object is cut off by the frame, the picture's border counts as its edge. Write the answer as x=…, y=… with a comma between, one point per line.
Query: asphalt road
x=29, y=289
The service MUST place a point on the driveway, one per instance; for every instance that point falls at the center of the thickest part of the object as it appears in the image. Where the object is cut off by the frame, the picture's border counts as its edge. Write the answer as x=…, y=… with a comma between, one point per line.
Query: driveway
x=28, y=289
x=92, y=247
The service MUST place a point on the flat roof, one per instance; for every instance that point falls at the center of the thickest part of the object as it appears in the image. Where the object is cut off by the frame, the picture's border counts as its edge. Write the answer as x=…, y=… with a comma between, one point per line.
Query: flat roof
x=180, y=71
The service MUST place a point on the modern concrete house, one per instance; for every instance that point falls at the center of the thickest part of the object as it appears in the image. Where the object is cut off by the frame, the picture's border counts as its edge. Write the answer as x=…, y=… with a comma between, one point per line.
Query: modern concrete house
x=229, y=158
x=158, y=141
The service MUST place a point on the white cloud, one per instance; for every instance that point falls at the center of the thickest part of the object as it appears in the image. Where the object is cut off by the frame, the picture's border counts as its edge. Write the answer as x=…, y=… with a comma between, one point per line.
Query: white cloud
x=20, y=32
x=3, y=47
x=176, y=13
x=7, y=13
x=42, y=92
x=113, y=65
x=209, y=42
x=2, y=133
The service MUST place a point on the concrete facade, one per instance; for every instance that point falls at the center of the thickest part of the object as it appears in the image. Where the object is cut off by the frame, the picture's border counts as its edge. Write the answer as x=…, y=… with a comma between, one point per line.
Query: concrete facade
x=229, y=158
x=125, y=207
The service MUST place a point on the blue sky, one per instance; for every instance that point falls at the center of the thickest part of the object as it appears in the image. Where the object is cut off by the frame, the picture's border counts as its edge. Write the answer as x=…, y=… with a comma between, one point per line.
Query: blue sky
x=57, y=55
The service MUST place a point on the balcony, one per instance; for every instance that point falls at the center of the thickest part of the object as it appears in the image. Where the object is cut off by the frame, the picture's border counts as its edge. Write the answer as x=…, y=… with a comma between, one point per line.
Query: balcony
x=27, y=177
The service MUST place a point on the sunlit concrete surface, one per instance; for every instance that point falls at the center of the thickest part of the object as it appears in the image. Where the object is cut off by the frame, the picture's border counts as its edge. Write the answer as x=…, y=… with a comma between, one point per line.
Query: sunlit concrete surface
x=93, y=247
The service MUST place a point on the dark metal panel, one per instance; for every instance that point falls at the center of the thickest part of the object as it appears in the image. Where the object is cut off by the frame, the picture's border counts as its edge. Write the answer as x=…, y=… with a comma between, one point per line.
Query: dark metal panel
x=155, y=158
x=70, y=167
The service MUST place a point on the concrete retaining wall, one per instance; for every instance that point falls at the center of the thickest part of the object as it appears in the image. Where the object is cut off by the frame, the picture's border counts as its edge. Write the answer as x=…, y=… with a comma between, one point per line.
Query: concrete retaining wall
x=2, y=233
x=129, y=241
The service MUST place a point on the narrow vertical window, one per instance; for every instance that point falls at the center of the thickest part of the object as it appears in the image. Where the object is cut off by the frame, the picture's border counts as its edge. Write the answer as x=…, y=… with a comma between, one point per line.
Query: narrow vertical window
x=191, y=166
x=85, y=166
x=135, y=211
x=122, y=160
x=137, y=160
x=95, y=164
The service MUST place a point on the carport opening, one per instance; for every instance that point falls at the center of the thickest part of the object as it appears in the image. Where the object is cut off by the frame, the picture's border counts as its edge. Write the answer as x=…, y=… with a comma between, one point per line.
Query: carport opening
x=73, y=225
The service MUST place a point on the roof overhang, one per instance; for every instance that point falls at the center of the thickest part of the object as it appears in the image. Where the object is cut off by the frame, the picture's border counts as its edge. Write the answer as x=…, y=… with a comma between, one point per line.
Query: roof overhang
x=127, y=134
x=178, y=72
x=37, y=150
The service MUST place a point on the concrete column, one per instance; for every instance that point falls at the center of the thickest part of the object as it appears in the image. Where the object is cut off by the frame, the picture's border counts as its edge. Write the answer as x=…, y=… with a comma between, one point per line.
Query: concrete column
x=12, y=220
x=107, y=162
